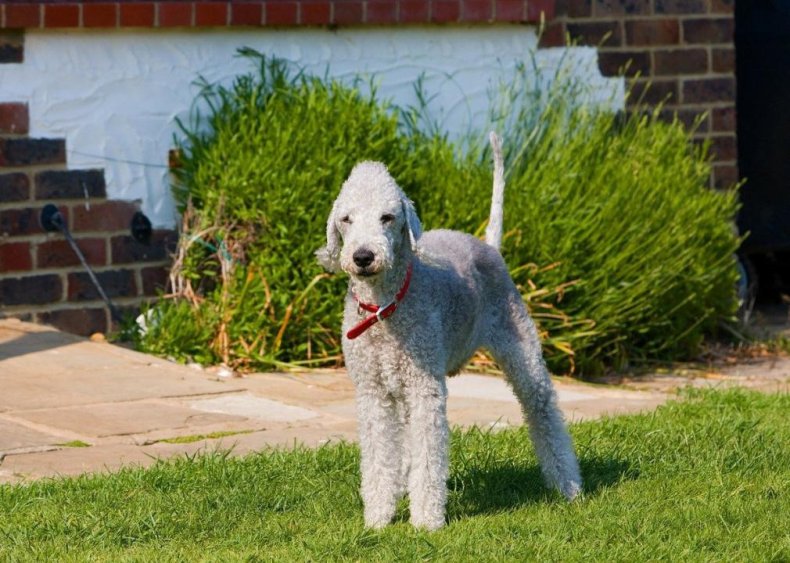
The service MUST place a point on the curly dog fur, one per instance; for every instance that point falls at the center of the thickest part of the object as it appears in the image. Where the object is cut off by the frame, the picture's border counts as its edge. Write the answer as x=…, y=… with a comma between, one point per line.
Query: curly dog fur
x=460, y=298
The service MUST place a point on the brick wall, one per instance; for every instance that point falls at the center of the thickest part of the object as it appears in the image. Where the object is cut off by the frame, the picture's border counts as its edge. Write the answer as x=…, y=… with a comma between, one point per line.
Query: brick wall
x=41, y=278
x=60, y=14
x=684, y=48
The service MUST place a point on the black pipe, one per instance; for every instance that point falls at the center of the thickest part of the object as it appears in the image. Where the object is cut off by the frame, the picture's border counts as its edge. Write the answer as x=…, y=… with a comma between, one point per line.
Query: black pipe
x=52, y=220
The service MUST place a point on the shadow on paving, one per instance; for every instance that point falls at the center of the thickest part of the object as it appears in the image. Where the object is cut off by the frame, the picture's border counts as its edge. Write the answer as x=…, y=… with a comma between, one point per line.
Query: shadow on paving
x=17, y=343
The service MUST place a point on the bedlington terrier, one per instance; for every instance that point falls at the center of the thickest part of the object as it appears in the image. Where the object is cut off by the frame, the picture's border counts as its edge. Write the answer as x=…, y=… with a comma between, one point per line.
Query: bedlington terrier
x=418, y=306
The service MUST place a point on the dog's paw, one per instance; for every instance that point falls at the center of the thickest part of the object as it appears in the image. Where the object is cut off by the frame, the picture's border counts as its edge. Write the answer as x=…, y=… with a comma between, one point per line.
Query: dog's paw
x=430, y=523
x=377, y=518
x=571, y=489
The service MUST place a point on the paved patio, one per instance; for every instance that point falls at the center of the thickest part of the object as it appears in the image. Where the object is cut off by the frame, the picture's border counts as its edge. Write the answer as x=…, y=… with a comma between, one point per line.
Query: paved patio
x=69, y=405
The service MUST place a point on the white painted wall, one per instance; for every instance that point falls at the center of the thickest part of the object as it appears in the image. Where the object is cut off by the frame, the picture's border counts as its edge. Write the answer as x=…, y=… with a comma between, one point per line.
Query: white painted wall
x=114, y=95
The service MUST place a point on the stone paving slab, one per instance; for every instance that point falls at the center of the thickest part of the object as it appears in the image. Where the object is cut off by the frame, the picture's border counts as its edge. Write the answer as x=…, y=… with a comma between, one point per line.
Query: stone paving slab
x=55, y=388
x=15, y=436
x=121, y=419
x=71, y=461
x=312, y=389
x=248, y=405
x=44, y=368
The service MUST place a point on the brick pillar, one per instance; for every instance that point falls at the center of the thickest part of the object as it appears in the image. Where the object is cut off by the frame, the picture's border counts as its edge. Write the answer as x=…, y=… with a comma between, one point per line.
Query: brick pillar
x=684, y=48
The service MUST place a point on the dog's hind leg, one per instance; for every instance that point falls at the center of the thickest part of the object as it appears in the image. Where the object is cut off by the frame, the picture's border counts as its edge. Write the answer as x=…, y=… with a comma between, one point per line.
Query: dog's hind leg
x=516, y=347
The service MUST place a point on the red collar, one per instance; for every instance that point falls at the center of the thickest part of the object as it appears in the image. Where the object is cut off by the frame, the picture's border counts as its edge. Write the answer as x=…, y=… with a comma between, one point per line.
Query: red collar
x=379, y=313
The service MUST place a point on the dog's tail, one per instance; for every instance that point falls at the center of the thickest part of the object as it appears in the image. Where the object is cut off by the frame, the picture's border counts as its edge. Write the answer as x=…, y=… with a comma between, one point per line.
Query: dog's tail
x=494, y=228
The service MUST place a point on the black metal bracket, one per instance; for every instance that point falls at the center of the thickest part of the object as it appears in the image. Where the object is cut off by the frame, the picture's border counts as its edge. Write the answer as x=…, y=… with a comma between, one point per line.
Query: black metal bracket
x=141, y=228
x=51, y=219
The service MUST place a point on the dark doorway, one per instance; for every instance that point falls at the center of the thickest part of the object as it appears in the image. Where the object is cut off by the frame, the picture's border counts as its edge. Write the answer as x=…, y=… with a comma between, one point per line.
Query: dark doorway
x=762, y=42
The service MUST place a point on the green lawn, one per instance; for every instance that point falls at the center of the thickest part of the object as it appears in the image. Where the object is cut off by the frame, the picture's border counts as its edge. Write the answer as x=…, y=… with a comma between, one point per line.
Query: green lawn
x=703, y=479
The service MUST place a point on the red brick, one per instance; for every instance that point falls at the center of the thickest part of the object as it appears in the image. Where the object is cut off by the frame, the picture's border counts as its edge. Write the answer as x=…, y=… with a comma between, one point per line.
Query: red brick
x=282, y=13
x=620, y=7
x=722, y=6
x=723, y=59
x=574, y=8
x=680, y=61
x=108, y=216
x=708, y=30
x=383, y=12
x=22, y=222
x=477, y=11
x=553, y=35
x=22, y=15
x=725, y=176
x=692, y=119
x=83, y=322
x=59, y=254
x=315, y=13
x=540, y=10
x=706, y=90
x=137, y=14
x=126, y=250
x=115, y=283
x=69, y=184
x=724, y=119
x=12, y=46
x=246, y=14
x=347, y=13
x=61, y=15
x=209, y=14
x=154, y=280
x=627, y=63
x=446, y=11
x=683, y=7
x=599, y=34
x=174, y=14
x=14, y=187
x=27, y=152
x=664, y=31
x=414, y=12
x=99, y=15
x=510, y=10
x=31, y=290
x=15, y=257
x=14, y=118
x=724, y=148
x=653, y=92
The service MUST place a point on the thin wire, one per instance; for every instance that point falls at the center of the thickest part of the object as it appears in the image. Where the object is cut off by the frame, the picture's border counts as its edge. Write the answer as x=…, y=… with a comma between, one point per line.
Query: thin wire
x=57, y=220
x=120, y=160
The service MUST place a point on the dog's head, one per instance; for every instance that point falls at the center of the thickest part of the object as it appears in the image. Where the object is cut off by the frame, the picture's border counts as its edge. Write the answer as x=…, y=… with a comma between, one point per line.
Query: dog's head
x=372, y=224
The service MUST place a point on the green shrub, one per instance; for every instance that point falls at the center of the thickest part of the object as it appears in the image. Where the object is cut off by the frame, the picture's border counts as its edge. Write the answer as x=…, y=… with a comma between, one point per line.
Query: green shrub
x=621, y=251
x=256, y=185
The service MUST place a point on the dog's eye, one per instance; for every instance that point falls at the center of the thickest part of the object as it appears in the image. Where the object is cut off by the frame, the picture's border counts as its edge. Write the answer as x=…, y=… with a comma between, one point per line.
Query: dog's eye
x=346, y=219
x=387, y=218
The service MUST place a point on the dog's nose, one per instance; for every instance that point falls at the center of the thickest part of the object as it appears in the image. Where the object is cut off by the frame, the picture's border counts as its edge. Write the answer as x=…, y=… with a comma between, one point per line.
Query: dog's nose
x=363, y=257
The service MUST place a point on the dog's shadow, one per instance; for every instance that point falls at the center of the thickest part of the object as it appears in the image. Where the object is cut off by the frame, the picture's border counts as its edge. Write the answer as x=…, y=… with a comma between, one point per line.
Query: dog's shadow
x=506, y=486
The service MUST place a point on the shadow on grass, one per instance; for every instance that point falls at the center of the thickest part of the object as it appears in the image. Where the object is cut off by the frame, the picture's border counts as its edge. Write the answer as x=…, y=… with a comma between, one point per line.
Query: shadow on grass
x=490, y=490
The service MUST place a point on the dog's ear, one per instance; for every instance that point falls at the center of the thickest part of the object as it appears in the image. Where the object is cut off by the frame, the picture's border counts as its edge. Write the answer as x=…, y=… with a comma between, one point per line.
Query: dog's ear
x=329, y=255
x=412, y=222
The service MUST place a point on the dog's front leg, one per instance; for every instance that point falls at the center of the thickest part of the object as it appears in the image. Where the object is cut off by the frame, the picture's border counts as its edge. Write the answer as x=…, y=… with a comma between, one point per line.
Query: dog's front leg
x=381, y=444
x=429, y=449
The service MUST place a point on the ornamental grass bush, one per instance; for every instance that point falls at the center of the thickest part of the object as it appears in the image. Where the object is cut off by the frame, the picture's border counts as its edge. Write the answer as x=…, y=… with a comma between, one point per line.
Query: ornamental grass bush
x=621, y=251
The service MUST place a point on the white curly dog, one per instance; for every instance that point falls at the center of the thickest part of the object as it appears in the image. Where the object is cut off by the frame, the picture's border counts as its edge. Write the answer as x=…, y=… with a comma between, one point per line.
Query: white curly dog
x=418, y=306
